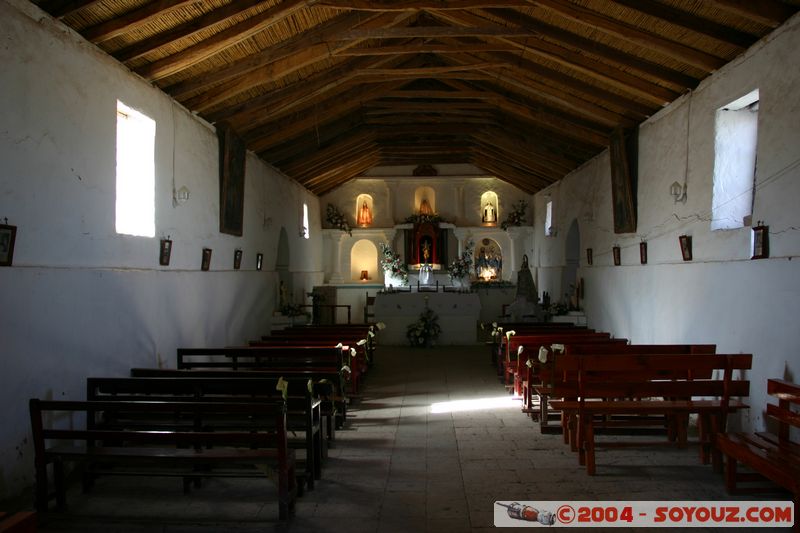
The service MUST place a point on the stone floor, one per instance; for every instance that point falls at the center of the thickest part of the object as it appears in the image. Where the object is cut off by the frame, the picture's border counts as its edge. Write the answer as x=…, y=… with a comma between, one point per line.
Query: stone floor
x=401, y=465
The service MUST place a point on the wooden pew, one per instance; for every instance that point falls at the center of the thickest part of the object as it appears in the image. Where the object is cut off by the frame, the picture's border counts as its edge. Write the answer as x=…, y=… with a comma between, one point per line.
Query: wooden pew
x=514, y=362
x=538, y=377
x=191, y=449
x=774, y=456
x=303, y=415
x=673, y=386
x=351, y=335
x=498, y=329
x=328, y=386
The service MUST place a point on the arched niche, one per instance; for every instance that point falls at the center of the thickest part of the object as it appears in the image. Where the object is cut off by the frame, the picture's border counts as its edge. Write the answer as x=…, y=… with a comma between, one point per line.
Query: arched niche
x=364, y=211
x=364, y=256
x=489, y=208
x=424, y=194
x=572, y=259
x=488, y=260
x=282, y=262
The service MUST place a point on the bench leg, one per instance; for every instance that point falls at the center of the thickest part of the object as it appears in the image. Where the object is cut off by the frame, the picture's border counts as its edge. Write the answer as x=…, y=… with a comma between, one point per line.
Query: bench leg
x=60, y=483
x=41, y=493
x=588, y=446
x=543, y=411
x=730, y=474
x=580, y=439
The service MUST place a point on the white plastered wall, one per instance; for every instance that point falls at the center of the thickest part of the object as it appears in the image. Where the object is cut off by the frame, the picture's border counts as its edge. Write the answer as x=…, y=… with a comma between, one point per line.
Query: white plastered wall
x=721, y=296
x=81, y=300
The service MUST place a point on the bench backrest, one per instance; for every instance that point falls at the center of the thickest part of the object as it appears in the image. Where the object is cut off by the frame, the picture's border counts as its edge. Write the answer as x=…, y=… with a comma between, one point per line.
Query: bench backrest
x=621, y=348
x=651, y=375
x=261, y=357
x=788, y=395
x=194, y=423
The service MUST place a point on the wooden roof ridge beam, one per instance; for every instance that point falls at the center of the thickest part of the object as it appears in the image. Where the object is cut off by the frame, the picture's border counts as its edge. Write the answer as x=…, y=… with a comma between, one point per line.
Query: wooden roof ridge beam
x=423, y=72
x=426, y=48
x=649, y=40
x=186, y=29
x=301, y=56
x=220, y=41
x=131, y=20
x=407, y=32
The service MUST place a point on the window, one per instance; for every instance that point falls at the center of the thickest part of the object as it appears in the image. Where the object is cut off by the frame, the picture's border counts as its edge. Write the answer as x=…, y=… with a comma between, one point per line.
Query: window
x=548, y=219
x=735, y=136
x=306, y=231
x=135, y=203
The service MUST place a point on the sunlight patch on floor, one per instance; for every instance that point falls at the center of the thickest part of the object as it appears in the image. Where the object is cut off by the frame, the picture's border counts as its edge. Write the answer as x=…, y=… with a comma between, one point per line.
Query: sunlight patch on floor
x=477, y=404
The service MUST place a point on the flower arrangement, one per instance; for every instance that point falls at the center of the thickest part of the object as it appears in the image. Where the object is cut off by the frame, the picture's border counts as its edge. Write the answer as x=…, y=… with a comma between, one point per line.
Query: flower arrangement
x=391, y=262
x=421, y=219
x=425, y=330
x=294, y=310
x=517, y=215
x=461, y=266
x=336, y=219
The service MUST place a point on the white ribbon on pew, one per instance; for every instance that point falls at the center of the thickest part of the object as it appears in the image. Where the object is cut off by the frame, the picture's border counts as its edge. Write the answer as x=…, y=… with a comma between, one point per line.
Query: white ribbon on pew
x=362, y=342
x=310, y=386
x=371, y=333
x=557, y=348
x=381, y=326
x=542, y=354
x=346, y=368
x=283, y=387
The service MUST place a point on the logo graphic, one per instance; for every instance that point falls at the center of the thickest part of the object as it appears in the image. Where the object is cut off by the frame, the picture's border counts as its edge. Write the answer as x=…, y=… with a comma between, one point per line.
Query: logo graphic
x=527, y=513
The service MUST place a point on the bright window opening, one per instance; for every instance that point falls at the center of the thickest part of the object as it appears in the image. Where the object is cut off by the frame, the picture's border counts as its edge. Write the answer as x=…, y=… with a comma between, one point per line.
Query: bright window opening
x=735, y=139
x=548, y=218
x=306, y=231
x=135, y=204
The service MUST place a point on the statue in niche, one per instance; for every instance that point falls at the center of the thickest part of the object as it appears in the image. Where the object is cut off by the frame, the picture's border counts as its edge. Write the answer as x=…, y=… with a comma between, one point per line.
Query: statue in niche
x=426, y=251
x=526, y=303
x=425, y=207
x=489, y=213
x=364, y=215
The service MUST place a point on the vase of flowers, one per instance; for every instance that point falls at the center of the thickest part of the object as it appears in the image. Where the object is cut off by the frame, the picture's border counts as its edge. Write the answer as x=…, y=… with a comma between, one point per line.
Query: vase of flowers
x=336, y=219
x=424, y=332
x=517, y=216
x=394, y=270
x=459, y=270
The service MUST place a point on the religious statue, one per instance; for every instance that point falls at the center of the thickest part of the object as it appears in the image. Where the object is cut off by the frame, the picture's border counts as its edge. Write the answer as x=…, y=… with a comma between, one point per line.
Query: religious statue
x=283, y=297
x=526, y=303
x=489, y=213
x=425, y=208
x=364, y=215
x=426, y=252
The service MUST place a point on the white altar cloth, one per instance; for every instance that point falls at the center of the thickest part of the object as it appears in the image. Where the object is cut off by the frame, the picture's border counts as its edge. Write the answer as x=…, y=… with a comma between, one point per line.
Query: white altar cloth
x=458, y=314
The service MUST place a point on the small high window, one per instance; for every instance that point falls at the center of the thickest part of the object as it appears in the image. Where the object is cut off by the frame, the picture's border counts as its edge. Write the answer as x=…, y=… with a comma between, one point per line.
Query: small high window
x=548, y=219
x=735, y=140
x=135, y=203
x=306, y=230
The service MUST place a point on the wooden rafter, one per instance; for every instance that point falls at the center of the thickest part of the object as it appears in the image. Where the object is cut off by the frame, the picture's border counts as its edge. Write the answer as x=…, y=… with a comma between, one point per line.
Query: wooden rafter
x=132, y=20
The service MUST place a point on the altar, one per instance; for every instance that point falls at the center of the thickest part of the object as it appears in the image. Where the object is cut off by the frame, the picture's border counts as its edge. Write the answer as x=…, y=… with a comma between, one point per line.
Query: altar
x=458, y=315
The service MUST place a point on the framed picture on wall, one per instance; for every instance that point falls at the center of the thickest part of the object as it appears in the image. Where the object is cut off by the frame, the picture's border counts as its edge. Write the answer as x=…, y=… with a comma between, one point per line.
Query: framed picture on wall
x=615, y=251
x=686, y=247
x=259, y=260
x=760, y=242
x=589, y=256
x=206, y=262
x=643, y=253
x=237, y=259
x=165, y=251
x=8, y=235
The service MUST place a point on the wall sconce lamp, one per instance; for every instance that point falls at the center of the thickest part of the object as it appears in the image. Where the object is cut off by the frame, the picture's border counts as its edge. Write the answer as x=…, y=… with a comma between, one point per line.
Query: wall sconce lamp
x=678, y=192
x=364, y=275
x=181, y=196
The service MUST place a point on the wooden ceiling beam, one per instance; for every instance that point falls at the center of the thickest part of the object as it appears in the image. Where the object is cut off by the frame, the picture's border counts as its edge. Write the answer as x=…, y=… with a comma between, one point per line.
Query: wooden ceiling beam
x=692, y=22
x=427, y=48
x=220, y=41
x=408, y=32
x=182, y=31
x=354, y=170
x=673, y=78
x=63, y=8
x=417, y=5
x=307, y=144
x=526, y=182
x=521, y=160
x=300, y=54
x=529, y=176
x=771, y=13
x=648, y=40
x=580, y=63
x=499, y=139
x=132, y=20
x=331, y=157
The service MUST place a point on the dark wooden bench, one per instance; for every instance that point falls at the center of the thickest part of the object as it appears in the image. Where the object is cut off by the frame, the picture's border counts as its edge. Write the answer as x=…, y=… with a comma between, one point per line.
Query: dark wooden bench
x=328, y=386
x=774, y=456
x=21, y=522
x=497, y=332
x=192, y=448
x=672, y=386
x=303, y=415
x=538, y=377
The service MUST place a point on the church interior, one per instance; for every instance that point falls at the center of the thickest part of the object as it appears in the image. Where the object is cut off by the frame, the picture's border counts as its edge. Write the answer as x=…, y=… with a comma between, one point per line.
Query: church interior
x=412, y=180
